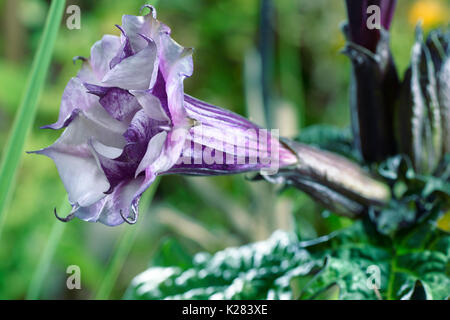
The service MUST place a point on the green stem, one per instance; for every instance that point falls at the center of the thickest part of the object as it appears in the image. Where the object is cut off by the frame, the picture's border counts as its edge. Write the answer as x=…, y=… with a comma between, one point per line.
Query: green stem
x=41, y=271
x=391, y=281
x=266, y=44
x=27, y=110
x=123, y=248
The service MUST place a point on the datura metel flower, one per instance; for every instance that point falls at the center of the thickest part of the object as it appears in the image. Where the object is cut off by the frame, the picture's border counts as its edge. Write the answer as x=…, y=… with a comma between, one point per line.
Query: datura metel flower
x=128, y=120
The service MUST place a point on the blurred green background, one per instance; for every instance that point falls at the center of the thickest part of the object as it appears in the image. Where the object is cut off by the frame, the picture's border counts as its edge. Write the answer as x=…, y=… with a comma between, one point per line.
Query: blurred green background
x=308, y=84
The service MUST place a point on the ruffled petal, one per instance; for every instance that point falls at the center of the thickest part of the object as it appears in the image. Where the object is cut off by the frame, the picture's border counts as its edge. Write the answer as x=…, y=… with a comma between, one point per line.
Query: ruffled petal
x=108, y=210
x=84, y=181
x=124, y=200
x=82, y=177
x=137, y=72
x=154, y=149
x=119, y=103
x=114, y=170
x=139, y=133
x=102, y=52
x=119, y=165
x=151, y=105
x=170, y=152
x=125, y=50
x=74, y=98
x=91, y=213
x=176, y=64
x=148, y=25
x=175, y=61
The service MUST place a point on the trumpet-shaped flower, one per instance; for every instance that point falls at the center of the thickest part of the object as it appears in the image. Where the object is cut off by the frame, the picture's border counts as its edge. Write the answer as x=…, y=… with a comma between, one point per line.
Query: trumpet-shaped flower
x=128, y=120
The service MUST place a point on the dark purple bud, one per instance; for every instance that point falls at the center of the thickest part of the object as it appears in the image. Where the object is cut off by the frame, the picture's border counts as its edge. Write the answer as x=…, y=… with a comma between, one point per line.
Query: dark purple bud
x=374, y=84
x=366, y=17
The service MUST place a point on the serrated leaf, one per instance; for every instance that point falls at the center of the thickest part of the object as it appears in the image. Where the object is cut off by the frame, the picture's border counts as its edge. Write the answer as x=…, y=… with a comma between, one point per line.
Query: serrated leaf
x=283, y=267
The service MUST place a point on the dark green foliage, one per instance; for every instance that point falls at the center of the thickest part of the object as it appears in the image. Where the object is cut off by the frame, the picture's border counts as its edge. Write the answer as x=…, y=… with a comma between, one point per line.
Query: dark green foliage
x=330, y=138
x=398, y=248
x=414, y=196
x=411, y=265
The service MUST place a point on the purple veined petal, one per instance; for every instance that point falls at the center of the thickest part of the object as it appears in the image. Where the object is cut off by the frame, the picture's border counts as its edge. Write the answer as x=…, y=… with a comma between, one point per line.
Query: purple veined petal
x=220, y=150
x=83, y=179
x=86, y=73
x=102, y=52
x=151, y=105
x=225, y=139
x=175, y=100
x=84, y=182
x=154, y=149
x=135, y=25
x=192, y=162
x=119, y=103
x=74, y=98
x=104, y=150
x=176, y=64
x=118, y=164
x=171, y=151
x=137, y=72
x=107, y=210
x=148, y=179
x=148, y=25
x=114, y=170
x=175, y=58
x=141, y=129
x=91, y=213
x=163, y=151
x=125, y=50
x=95, y=122
x=223, y=130
x=122, y=199
x=159, y=91
x=104, y=127
x=207, y=113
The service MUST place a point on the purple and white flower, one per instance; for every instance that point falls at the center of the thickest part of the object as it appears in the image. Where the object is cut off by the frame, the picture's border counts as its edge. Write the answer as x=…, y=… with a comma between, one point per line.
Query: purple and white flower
x=128, y=120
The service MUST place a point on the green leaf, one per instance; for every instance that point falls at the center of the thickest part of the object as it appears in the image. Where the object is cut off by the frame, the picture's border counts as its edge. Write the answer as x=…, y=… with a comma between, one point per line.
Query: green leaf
x=247, y=272
x=171, y=252
x=41, y=271
x=415, y=196
x=330, y=138
x=283, y=267
x=28, y=106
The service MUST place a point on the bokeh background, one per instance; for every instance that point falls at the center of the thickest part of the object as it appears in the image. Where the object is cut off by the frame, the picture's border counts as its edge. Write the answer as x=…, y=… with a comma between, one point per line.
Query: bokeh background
x=305, y=82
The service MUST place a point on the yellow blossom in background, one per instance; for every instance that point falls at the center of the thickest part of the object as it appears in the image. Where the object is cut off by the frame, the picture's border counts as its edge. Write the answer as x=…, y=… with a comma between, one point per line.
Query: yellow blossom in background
x=444, y=222
x=430, y=12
